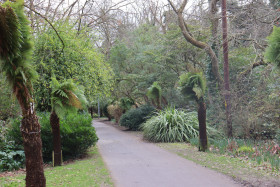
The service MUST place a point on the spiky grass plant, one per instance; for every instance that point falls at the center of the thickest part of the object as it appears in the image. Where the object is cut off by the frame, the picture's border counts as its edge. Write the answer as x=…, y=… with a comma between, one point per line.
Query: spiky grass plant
x=171, y=125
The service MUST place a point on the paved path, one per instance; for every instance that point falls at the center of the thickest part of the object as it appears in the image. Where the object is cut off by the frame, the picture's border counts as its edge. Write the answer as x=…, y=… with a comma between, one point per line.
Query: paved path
x=134, y=163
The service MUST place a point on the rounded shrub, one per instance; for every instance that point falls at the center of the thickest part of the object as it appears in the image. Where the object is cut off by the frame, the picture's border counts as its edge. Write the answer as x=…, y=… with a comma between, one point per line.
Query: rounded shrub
x=133, y=118
x=76, y=130
x=171, y=125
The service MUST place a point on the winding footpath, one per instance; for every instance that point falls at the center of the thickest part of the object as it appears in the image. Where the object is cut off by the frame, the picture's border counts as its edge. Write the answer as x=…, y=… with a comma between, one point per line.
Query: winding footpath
x=135, y=163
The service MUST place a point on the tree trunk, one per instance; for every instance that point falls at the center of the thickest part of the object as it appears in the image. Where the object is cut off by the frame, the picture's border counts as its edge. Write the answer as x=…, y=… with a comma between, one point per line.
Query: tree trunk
x=31, y=133
x=226, y=70
x=54, y=119
x=203, y=145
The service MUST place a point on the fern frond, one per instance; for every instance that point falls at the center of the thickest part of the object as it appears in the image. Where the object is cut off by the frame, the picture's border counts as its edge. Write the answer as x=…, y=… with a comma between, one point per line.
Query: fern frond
x=193, y=85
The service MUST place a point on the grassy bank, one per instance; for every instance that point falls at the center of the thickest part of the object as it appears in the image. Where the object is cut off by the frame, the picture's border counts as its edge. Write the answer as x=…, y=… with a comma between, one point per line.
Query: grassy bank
x=90, y=171
x=245, y=171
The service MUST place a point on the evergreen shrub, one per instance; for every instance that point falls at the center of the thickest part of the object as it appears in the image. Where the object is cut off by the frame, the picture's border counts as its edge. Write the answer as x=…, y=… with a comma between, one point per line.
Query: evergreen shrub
x=133, y=118
x=76, y=130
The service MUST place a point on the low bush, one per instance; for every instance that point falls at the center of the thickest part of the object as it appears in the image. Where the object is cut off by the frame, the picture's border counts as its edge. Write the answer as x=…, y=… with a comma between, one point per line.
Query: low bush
x=133, y=118
x=11, y=154
x=116, y=111
x=171, y=125
x=10, y=157
x=77, y=134
x=76, y=130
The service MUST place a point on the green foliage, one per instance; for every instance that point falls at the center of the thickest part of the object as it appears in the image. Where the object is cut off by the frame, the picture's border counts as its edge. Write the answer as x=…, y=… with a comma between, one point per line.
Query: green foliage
x=16, y=46
x=77, y=134
x=9, y=106
x=263, y=152
x=11, y=155
x=193, y=85
x=154, y=92
x=126, y=103
x=245, y=149
x=171, y=125
x=66, y=96
x=11, y=158
x=133, y=118
x=80, y=61
x=106, y=112
x=272, y=53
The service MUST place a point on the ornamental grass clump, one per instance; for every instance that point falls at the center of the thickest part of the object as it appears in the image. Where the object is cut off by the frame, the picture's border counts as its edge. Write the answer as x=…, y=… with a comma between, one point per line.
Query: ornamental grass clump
x=171, y=125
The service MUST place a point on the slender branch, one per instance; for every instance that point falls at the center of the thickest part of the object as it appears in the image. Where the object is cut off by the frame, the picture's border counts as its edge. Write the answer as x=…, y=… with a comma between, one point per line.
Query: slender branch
x=63, y=45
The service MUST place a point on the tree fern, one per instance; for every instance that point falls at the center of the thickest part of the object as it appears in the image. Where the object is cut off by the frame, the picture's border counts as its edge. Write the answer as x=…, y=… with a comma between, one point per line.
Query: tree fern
x=15, y=58
x=154, y=92
x=66, y=96
x=16, y=46
x=193, y=85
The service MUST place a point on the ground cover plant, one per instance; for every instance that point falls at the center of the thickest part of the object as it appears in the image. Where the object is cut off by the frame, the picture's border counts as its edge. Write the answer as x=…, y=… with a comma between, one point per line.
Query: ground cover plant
x=264, y=153
x=133, y=118
x=89, y=171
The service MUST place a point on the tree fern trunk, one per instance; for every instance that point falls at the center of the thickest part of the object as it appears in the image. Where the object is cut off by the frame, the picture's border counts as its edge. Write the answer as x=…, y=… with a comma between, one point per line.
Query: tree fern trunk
x=202, y=126
x=54, y=120
x=31, y=133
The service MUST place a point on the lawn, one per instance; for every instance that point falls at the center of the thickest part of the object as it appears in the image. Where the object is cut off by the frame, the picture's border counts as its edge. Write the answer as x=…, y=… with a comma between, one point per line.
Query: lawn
x=89, y=171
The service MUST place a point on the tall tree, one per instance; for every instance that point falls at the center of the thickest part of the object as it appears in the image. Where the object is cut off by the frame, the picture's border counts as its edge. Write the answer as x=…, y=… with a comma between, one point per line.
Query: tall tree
x=65, y=96
x=197, y=43
x=226, y=70
x=80, y=61
x=193, y=86
x=15, y=58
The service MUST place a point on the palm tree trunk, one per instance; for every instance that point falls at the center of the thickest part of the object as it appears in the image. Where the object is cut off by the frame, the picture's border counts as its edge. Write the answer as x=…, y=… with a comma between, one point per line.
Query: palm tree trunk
x=31, y=133
x=54, y=120
x=202, y=126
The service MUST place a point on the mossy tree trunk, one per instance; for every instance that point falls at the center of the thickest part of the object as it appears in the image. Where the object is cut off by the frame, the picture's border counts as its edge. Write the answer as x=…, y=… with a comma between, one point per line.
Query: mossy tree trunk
x=54, y=120
x=226, y=70
x=203, y=143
